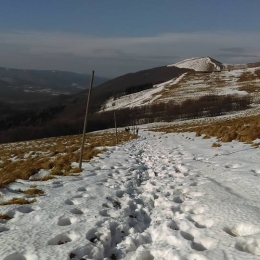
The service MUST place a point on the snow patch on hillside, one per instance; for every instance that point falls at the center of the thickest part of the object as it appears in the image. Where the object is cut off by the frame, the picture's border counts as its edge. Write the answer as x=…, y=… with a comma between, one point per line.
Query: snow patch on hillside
x=141, y=98
x=193, y=86
x=199, y=64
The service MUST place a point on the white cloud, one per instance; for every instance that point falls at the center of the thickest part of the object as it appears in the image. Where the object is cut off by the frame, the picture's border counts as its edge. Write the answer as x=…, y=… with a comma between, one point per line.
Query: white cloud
x=112, y=56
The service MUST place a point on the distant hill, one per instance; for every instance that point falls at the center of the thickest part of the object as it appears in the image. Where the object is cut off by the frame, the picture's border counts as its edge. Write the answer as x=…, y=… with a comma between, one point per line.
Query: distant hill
x=204, y=64
x=35, y=85
x=133, y=82
x=206, y=87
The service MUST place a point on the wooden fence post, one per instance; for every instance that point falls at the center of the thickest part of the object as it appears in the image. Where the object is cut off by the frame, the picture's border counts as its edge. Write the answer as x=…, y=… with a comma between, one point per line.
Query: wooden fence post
x=85, y=122
x=115, y=127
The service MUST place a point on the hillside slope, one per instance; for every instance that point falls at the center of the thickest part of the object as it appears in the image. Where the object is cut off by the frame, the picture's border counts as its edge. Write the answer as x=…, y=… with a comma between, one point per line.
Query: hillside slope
x=193, y=85
x=118, y=86
x=163, y=93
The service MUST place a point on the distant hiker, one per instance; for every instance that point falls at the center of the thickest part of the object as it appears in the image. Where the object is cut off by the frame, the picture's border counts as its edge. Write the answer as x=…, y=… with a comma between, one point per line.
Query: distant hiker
x=137, y=131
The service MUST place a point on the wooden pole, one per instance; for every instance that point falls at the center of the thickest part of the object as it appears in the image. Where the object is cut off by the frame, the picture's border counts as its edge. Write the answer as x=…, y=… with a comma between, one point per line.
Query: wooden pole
x=85, y=121
x=115, y=127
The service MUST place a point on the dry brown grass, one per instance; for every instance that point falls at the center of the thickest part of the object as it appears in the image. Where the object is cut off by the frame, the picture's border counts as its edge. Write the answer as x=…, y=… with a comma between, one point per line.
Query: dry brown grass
x=4, y=217
x=23, y=160
x=244, y=129
x=34, y=192
x=246, y=76
x=45, y=178
x=20, y=201
x=216, y=144
x=193, y=85
x=250, y=88
x=257, y=72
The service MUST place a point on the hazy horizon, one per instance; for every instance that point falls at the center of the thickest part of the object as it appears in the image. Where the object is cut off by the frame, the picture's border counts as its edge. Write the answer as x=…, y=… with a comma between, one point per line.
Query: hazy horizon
x=116, y=38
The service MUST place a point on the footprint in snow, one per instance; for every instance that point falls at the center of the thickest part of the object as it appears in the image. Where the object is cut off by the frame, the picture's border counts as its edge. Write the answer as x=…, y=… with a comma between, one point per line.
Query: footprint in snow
x=76, y=211
x=256, y=172
x=81, y=189
x=202, y=244
x=15, y=256
x=63, y=238
x=25, y=209
x=3, y=229
x=249, y=245
x=120, y=193
x=191, y=234
x=72, y=202
x=66, y=221
x=233, y=166
x=242, y=229
x=178, y=199
x=202, y=222
x=77, y=196
x=57, y=184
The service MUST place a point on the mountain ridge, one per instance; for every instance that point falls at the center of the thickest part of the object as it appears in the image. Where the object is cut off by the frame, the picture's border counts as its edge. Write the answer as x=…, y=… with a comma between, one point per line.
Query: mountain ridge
x=22, y=85
x=143, y=96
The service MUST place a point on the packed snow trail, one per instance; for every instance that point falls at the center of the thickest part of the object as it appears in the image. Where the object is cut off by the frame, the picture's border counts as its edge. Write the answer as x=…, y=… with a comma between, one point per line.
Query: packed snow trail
x=162, y=196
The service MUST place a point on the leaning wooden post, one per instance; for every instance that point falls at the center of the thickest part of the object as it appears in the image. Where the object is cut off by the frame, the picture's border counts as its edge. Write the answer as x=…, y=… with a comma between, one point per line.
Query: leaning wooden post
x=85, y=122
x=115, y=127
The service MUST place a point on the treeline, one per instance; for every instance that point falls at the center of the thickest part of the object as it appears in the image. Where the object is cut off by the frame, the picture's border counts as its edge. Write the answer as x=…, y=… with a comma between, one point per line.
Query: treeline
x=29, y=117
x=134, y=89
x=206, y=106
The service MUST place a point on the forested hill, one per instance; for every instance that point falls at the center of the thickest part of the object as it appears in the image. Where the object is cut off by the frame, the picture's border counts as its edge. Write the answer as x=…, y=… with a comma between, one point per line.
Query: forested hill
x=18, y=85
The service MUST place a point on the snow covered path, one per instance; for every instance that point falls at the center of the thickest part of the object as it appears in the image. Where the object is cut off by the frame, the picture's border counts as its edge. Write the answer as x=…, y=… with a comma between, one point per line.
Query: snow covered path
x=163, y=196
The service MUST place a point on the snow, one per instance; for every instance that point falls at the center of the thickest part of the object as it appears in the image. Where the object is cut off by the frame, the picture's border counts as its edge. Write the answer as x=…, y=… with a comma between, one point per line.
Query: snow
x=162, y=196
x=144, y=97
x=41, y=174
x=191, y=86
x=206, y=64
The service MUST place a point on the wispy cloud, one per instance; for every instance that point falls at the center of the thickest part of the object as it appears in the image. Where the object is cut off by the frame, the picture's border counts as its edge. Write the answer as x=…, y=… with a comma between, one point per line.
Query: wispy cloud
x=234, y=55
x=238, y=53
x=233, y=49
x=112, y=56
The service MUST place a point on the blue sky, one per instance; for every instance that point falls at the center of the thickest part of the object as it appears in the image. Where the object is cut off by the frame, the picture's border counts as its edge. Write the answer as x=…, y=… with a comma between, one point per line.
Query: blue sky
x=117, y=37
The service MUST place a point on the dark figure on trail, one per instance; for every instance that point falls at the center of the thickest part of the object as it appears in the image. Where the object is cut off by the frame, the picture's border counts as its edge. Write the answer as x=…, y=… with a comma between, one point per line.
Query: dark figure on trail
x=137, y=131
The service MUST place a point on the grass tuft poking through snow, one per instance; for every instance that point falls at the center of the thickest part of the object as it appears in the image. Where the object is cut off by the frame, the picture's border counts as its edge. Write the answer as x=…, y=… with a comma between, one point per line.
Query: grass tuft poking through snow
x=34, y=192
x=20, y=201
x=4, y=217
